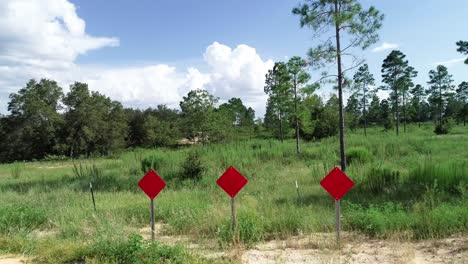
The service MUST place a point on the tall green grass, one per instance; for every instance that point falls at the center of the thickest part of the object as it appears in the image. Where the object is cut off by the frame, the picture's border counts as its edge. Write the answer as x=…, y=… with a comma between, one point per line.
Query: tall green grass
x=413, y=185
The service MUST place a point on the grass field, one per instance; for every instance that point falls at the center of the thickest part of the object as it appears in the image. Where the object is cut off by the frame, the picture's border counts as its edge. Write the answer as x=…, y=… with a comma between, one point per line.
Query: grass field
x=414, y=186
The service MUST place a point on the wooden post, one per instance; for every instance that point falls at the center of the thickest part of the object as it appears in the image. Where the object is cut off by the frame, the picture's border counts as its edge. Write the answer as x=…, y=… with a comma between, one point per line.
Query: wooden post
x=298, y=194
x=92, y=195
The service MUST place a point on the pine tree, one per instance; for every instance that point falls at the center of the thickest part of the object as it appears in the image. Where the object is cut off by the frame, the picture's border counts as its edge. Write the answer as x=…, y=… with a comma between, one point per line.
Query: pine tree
x=362, y=80
x=397, y=74
x=348, y=22
x=440, y=86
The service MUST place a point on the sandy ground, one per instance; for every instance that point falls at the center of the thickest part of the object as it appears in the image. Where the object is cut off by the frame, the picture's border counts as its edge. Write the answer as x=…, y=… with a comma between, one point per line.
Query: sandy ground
x=318, y=248
x=321, y=248
x=360, y=250
x=11, y=260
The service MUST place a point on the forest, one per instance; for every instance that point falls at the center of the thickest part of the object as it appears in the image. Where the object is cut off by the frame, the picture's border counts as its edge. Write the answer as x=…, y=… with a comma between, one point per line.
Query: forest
x=43, y=122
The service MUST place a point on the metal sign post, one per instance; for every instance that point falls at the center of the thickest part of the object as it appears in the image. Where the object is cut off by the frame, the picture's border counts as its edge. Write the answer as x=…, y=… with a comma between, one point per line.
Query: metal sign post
x=152, y=219
x=233, y=214
x=337, y=184
x=232, y=182
x=337, y=220
x=152, y=184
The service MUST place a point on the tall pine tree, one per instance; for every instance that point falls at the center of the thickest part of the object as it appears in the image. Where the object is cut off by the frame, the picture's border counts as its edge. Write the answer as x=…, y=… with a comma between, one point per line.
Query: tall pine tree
x=397, y=74
x=440, y=86
x=350, y=26
x=362, y=80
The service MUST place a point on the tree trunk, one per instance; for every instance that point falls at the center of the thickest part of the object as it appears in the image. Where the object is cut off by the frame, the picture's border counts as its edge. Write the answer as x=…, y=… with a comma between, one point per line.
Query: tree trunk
x=419, y=114
x=404, y=113
x=340, y=89
x=397, y=111
x=364, y=112
x=298, y=148
x=281, y=126
x=440, y=105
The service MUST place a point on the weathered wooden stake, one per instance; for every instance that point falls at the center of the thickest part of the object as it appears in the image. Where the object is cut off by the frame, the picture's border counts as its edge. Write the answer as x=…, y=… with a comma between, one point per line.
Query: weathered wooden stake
x=298, y=194
x=92, y=195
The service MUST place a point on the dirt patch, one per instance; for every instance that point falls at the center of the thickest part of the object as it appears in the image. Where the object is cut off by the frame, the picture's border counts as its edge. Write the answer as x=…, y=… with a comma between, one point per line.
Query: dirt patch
x=321, y=248
x=53, y=167
x=358, y=249
x=12, y=260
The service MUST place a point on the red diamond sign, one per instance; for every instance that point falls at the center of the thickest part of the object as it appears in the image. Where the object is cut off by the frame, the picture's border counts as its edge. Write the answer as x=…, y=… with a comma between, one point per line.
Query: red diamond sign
x=336, y=183
x=231, y=181
x=151, y=184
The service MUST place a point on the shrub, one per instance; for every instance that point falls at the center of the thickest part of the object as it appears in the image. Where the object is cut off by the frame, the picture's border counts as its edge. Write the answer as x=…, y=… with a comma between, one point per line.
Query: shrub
x=86, y=172
x=249, y=230
x=388, y=123
x=377, y=220
x=152, y=162
x=16, y=170
x=52, y=157
x=443, y=127
x=21, y=217
x=192, y=168
x=440, y=221
x=135, y=250
x=357, y=154
x=380, y=180
x=448, y=177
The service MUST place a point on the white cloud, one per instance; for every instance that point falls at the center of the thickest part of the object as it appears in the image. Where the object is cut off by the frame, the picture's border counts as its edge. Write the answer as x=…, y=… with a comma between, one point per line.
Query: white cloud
x=43, y=38
x=450, y=62
x=385, y=46
x=44, y=33
x=40, y=38
x=237, y=73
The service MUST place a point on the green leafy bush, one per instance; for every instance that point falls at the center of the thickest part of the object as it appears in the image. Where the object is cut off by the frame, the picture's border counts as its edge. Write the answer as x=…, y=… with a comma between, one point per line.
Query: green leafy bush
x=192, y=168
x=357, y=154
x=443, y=127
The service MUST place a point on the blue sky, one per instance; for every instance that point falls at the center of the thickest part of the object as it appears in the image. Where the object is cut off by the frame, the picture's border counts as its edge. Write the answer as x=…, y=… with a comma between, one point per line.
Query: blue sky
x=148, y=52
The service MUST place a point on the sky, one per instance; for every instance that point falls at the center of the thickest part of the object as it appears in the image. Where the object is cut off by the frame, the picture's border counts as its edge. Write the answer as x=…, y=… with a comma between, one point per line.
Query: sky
x=149, y=52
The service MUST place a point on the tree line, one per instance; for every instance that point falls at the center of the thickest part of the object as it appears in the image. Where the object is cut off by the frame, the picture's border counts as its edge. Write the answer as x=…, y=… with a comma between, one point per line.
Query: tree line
x=292, y=104
x=43, y=121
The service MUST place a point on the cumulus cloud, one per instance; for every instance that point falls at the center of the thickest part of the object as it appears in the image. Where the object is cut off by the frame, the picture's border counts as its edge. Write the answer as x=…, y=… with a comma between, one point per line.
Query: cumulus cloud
x=44, y=33
x=385, y=46
x=40, y=38
x=43, y=38
x=237, y=73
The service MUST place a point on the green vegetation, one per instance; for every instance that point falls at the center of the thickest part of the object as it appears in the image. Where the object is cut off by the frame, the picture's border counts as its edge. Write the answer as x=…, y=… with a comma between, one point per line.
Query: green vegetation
x=412, y=186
